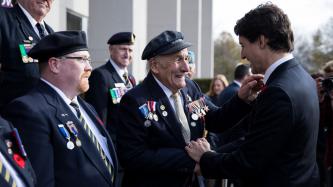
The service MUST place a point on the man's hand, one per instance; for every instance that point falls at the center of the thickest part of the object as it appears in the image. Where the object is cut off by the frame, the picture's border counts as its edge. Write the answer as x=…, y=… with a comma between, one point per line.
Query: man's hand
x=250, y=87
x=197, y=170
x=196, y=149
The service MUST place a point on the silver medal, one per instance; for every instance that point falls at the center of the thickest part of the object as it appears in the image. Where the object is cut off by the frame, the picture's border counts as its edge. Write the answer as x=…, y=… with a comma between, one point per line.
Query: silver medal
x=147, y=123
x=195, y=117
x=155, y=117
x=70, y=145
x=165, y=113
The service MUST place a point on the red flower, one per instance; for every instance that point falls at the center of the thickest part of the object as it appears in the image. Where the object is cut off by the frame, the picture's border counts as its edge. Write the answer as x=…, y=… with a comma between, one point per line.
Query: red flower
x=263, y=88
x=19, y=160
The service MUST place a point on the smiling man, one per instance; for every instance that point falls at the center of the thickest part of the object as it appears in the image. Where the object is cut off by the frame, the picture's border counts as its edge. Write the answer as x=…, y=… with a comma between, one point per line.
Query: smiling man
x=63, y=136
x=21, y=27
x=160, y=116
x=281, y=129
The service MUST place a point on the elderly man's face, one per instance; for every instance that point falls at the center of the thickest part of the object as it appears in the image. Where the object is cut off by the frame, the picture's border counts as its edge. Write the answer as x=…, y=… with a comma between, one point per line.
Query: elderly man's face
x=75, y=71
x=122, y=55
x=37, y=8
x=171, y=69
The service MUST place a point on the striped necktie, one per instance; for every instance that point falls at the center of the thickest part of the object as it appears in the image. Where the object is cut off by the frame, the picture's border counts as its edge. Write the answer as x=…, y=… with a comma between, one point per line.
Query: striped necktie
x=93, y=139
x=182, y=117
x=4, y=172
x=127, y=81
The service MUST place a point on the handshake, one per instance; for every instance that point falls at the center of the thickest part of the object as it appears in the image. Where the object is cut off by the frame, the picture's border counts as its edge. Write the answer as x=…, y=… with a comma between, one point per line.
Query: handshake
x=196, y=149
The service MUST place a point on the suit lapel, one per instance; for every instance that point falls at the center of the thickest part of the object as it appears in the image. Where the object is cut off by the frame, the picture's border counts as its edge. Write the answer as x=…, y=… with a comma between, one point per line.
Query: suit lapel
x=157, y=94
x=116, y=78
x=25, y=25
x=65, y=115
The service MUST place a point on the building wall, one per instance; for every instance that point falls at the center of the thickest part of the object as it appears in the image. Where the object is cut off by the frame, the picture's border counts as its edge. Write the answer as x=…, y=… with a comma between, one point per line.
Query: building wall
x=146, y=18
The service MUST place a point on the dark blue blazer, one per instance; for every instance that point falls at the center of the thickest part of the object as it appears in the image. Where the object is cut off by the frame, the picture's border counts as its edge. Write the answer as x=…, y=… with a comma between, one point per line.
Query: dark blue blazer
x=279, y=148
x=37, y=116
x=226, y=94
x=26, y=174
x=16, y=77
x=154, y=155
x=103, y=79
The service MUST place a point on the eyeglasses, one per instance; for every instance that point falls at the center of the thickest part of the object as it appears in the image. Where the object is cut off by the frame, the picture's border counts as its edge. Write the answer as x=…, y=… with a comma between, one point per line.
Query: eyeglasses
x=81, y=59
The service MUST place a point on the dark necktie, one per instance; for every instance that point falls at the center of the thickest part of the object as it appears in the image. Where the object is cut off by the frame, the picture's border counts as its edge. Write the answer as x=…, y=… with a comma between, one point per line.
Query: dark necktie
x=41, y=30
x=127, y=81
x=4, y=172
x=93, y=139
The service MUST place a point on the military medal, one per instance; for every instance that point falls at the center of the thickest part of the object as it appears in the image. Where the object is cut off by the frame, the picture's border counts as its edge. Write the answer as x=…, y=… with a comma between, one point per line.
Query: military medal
x=155, y=117
x=147, y=123
x=193, y=124
x=65, y=134
x=71, y=126
x=194, y=116
x=113, y=92
x=9, y=146
x=144, y=110
x=164, y=113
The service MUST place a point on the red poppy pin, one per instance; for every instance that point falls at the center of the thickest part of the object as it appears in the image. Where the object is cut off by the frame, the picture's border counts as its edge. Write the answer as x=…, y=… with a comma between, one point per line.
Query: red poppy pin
x=19, y=160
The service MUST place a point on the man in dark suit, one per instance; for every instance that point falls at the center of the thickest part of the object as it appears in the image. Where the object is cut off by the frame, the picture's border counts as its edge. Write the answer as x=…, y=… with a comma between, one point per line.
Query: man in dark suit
x=241, y=72
x=161, y=115
x=15, y=168
x=279, y=147
x=109, y=82
x=18, y=33
x=66, y=141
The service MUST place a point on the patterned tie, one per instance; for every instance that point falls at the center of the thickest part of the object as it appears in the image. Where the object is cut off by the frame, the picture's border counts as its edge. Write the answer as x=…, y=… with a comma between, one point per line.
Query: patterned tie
x=127, y=81
x=182, y=117
x=93, y=139
x=41, y=30
x=4, y=172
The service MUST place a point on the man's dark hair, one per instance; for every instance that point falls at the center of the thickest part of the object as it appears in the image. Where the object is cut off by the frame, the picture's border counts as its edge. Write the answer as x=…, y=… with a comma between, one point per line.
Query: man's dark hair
x=270, y=21
x=241, y=71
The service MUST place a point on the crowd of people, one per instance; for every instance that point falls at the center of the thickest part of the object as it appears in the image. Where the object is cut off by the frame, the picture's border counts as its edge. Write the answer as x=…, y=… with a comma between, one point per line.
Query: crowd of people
x=64, y=124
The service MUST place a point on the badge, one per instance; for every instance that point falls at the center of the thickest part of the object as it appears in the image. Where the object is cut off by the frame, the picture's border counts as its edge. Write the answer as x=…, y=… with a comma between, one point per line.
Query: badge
x=147, y=123
x=165, y=113
x=144, y=110
x=193, y=124
x=150, y=116
x=194, y=116
x=162, y=107
x=65, y=134
x=155, y=117
x=9, y=146
x=72, y=128
x=70, y=145
x=30, y=38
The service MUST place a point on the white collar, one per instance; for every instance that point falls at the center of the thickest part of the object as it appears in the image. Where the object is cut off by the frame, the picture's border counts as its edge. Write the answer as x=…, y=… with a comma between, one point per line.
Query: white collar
x=119, y=70
x=277, y=63
x=60, y=93
x=166, y=90
x=32, y=20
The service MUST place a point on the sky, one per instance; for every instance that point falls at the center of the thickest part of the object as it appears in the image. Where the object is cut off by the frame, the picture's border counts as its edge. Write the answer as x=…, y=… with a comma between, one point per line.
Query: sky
x=306, y=16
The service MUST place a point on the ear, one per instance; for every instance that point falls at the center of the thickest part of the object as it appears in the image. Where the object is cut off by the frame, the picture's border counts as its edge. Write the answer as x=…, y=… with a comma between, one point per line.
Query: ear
x=54, y=65
x=153, y=65
x=262, y=41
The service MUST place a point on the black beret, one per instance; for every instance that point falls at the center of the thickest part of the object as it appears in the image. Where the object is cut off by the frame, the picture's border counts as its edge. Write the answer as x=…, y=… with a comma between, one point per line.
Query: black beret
x=167, y=42
x=58, y=44
x=122, y=38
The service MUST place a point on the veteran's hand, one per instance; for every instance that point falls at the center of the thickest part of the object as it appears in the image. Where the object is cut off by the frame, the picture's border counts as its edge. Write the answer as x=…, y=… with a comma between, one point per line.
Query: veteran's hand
x=250, y=87
x=196, y=149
